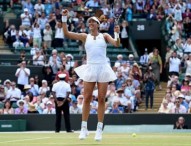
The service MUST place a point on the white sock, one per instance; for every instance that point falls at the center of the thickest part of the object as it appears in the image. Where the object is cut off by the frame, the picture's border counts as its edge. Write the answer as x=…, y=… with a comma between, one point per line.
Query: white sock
x=84, y=124
x=99, y=125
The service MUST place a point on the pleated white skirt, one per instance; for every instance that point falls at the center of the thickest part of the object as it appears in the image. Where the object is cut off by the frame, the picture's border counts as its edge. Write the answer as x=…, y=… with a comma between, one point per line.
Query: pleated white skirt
x=96, y=73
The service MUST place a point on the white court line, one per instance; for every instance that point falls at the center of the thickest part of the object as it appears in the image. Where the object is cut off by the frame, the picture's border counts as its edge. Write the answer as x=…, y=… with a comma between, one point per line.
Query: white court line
x=24, y=140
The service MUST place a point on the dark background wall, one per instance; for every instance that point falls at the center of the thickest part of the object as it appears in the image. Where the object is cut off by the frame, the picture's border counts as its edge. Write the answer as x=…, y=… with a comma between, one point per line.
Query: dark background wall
x=46, y=122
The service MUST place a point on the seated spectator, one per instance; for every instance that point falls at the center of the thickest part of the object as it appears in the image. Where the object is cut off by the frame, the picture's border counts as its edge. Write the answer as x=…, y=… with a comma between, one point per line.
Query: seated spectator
x=7, y=109
x=45, y=88
x=115, y=107
x=62, y=70
x=180, y=124
x=74, y=109
x=135, y=72
x=185, y=85
x=178, y=108
x=32, y=109
x=182, y=101
x=80, y=99
x=17, y=42
x=2, y=93
x=34, y=87
x=34, y=49
x=49, y=109
x=119, y=61
x=38, y=58
x=152, y=15
x=120, y=80
x=125, y=69
x=7, y=85
x=47, y=74
x=13, y=94
x=164, y=107
x=39, y=105
x=21, y=107
x=93, y=105
x=70, y=61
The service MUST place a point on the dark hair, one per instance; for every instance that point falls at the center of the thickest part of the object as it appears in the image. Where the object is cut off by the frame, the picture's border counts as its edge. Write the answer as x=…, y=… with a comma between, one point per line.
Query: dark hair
x=7, y=101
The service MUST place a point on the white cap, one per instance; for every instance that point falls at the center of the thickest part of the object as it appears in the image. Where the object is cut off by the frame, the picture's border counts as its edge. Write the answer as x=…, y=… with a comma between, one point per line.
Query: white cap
x=120, y=56
x=181, y=96
x=93, y=18
x=62, y=75
x=188, y=74
x=20, y=101
x=131, y=55
x=27, y=87
x=49, y=102
x=44, y=81
x=69, y=55
x=25, y=10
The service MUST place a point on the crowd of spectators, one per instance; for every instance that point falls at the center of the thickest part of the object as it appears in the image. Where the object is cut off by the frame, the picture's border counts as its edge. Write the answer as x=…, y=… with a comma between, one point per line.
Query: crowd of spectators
x=41, y=30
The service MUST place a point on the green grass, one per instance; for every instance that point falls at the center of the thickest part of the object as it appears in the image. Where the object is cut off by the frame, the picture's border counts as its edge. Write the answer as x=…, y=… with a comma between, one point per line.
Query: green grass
x=64, y=139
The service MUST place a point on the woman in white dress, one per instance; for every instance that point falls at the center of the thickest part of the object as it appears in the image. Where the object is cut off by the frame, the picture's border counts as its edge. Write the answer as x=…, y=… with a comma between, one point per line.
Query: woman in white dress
x=96, y=70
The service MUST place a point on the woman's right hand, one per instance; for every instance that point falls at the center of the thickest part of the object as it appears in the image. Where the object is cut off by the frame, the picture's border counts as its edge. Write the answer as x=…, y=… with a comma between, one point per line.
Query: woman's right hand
x=65, y=12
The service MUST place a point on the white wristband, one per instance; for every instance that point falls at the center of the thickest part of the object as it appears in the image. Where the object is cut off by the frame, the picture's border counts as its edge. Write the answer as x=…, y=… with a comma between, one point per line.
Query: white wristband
x=116, y=36
x=64, y=18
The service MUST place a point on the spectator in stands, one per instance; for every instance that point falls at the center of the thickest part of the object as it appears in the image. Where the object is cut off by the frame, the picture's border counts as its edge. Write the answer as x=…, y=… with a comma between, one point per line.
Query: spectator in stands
x=44, y=88
x=74, y=109
x=59, y=36
x=17, y=42
x=180, y=124
x=178, y=47
x=52, y=20
x=92, y=3
x=129, y=93
x=135, y=72
x=144, y=60
x=129, y=13
x=54, y=62
x=80, y=99
x=185, y=85
x=32, y=109
x=28, y=5
x=26, y=18
x=120, y=80
x=169, y=52
x=47, y=35
x=104, y=26
x=149, y=87
x=48, y=74
x=156, y=63
x=48, y=7
x=187, y=46
x=164, y=108
x=42, y=21
x=131, y=60
x=49, y=109
x=7, y=85
x=115, y=107
x=34, y=87
x=178, y=108
x=188, y=64
x=7, y=109
x=187, y=26
x=93, y=105
x=119, y=61
x=22, y=75
x=34, y=50
x=37, y=37
x=70, y=62
x=140, y=4
x=152, y=15
x=182, y=101
x=174, y=64
x=21, y=107
x=39, y=7
x=125, y=69
x=177, y=12
x=62, y=70
x=2, y=93
x=38, y=58
x=124, y=34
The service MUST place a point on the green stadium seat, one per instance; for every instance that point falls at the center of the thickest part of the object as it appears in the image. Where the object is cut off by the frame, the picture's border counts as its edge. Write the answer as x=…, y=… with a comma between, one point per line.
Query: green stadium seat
x=1, y=105
x=14, y=105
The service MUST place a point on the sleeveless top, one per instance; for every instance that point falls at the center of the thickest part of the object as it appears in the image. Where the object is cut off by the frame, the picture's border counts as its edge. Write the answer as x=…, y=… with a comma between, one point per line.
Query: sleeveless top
x=96, y=49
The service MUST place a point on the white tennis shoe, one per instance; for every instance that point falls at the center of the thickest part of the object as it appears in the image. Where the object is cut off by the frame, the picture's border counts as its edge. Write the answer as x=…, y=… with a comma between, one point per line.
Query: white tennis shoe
x=83, y=133
x=98, y=134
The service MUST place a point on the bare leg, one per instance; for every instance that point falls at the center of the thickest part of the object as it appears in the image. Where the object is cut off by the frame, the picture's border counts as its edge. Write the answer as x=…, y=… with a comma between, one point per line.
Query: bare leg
x=102, y=89
x=88, y=91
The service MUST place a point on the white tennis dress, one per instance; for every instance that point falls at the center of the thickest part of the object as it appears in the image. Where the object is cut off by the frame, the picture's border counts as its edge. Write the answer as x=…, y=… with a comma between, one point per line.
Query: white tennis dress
x=97, y=69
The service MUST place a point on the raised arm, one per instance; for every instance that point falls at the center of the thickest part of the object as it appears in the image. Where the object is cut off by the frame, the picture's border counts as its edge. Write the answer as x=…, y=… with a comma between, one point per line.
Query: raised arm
x=68, y=34
x=116, y=40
